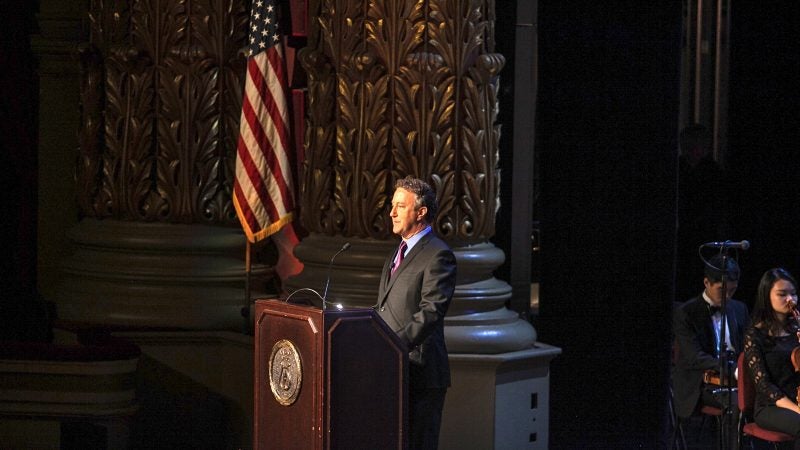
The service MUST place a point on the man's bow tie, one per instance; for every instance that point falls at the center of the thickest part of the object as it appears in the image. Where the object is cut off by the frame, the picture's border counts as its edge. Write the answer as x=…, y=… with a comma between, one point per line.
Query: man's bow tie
x=713, y=309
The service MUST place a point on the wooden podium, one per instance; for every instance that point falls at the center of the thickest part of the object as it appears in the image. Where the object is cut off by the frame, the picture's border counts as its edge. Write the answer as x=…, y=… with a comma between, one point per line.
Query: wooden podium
x=327, y=379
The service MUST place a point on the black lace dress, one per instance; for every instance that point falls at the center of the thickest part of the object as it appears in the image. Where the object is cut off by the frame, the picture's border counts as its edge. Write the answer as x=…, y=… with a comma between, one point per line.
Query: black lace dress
x=768, y=359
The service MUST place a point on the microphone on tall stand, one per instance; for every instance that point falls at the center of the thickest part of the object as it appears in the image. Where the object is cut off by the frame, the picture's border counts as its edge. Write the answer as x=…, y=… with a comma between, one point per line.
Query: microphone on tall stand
x=726, y=357
x=328, y=279
x=741, y=245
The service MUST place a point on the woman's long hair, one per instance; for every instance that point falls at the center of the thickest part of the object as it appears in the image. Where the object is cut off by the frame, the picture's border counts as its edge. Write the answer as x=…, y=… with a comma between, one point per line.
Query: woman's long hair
x=764, y=316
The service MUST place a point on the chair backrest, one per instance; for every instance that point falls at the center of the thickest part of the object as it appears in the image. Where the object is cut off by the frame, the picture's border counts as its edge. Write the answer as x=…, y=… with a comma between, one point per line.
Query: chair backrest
x=746, y=387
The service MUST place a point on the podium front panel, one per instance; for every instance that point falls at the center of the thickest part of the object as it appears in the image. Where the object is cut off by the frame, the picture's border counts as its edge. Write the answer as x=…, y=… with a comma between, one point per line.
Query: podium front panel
x=366, y=406
x=292, y=418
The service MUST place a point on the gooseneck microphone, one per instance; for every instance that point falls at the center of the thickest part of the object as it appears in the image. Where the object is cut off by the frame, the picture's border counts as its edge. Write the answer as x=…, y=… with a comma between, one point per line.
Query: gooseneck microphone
x=741, y=245
x=328, y=279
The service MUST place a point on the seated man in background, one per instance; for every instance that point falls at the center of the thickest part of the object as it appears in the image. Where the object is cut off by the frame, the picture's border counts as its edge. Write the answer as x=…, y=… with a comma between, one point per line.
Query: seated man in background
x=698, y=327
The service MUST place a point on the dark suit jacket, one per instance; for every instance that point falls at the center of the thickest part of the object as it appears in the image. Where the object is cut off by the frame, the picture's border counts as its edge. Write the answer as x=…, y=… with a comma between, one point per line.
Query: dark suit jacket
x=695, y=347
x=414, y=301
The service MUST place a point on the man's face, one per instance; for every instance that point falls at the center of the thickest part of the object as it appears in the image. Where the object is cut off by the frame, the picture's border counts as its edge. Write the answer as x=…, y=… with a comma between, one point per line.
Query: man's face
x=714, y=290
x=406, y=220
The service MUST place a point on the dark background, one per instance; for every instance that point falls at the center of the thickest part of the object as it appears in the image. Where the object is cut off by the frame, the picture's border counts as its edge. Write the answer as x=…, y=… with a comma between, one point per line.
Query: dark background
x=764, y=138
x=607, y=118
x=20, y=309
x=607, y=134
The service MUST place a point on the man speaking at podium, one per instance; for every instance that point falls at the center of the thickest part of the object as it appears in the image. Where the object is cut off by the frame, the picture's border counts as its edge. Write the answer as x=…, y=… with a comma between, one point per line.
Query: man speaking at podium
x=416, y=287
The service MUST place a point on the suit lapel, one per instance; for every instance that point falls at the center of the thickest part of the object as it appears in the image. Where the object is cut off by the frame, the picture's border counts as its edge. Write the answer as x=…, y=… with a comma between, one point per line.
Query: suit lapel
x=384, y=284
x=706, y=323
x=386, y=281
x=408, y=260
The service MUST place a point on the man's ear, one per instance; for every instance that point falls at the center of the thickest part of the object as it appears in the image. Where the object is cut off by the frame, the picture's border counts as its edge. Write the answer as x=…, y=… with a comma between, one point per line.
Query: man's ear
x=422, y=212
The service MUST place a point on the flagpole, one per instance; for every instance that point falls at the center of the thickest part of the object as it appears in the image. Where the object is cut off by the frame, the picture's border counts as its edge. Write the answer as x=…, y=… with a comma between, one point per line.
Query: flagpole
x=246, y=308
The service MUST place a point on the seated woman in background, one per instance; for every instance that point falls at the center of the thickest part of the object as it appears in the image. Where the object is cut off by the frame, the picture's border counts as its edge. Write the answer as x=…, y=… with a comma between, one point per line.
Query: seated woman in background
x=768, y=345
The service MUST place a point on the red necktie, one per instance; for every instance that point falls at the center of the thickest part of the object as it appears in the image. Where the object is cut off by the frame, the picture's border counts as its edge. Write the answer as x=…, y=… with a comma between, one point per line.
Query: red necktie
x=400, y=254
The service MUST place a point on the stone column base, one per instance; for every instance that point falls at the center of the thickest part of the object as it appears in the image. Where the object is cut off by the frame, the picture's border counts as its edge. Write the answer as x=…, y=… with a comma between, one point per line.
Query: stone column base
x=136, y=274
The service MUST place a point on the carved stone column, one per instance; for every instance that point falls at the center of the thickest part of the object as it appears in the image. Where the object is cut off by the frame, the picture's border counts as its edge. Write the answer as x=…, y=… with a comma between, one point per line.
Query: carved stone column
x=402, y=87
x=160, y=93
x=396, y=88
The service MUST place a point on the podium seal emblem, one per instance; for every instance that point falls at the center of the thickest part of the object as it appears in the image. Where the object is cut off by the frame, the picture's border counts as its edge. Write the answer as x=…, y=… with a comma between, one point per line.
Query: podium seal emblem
x=285, y=372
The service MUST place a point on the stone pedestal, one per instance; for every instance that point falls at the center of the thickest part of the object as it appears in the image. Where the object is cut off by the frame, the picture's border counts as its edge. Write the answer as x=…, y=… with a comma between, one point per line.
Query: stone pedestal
x=499, y=401
x=196, y=389
x=85, y=392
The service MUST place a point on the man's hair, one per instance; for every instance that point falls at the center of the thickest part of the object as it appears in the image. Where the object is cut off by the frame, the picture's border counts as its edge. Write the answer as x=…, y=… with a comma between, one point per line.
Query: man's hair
x=425, y=195
x=714, y=269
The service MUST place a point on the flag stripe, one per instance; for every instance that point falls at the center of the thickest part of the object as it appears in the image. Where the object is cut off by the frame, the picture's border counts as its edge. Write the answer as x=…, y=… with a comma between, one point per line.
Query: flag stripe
x=260, y=159
x=266, y=122
x=270, y=130
x=251, y=183
x=276, y=80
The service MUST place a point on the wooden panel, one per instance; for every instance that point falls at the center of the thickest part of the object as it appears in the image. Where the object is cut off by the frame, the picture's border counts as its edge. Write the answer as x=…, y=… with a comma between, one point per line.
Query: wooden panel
x=366, y=395
x=299, y=425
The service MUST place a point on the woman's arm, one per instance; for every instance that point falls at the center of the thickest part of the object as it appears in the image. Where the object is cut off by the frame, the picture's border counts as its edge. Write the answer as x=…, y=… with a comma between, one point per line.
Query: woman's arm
x=784, y=402
x=757, y=370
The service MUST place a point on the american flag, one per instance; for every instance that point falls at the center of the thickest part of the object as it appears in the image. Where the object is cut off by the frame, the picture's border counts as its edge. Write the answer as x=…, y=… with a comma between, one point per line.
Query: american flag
x=262, y=192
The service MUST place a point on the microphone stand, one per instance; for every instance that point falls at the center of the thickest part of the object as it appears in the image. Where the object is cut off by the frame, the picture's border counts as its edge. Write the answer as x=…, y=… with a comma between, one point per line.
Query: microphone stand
x=328, y=279
x=324, y=296
x=725, y=373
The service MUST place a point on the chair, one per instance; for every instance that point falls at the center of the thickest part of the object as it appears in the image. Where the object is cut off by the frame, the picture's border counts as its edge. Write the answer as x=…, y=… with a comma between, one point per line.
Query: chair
x=678, y=433
x=678, y=439
x=747, y=396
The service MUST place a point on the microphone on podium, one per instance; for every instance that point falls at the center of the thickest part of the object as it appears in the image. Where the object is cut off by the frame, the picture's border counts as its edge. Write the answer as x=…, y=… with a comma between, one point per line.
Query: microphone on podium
x=328, y=279
x=741, y=245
